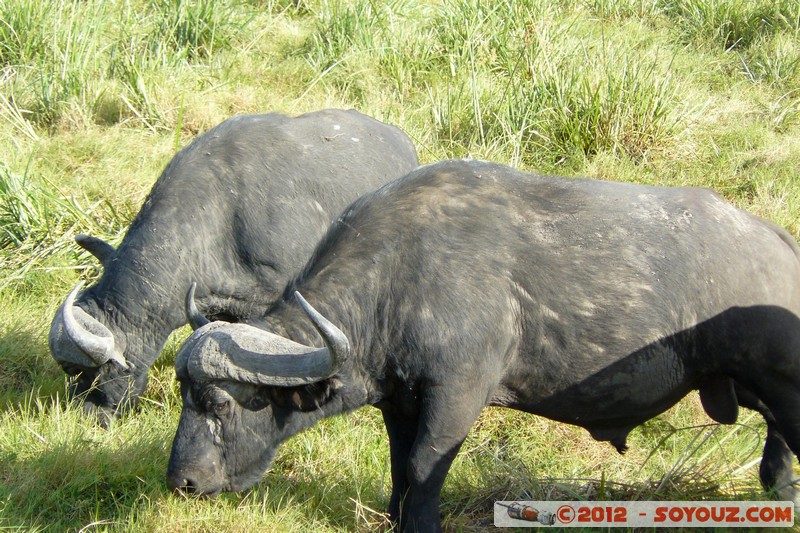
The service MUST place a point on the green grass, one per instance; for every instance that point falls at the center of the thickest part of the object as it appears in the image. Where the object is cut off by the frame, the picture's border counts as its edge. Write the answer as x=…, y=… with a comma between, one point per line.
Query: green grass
x=95, y=97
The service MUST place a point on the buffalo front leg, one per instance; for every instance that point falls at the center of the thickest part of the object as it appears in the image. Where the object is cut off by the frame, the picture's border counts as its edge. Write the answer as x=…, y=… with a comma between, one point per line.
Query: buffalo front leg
x=402, y=432
x=446, y=417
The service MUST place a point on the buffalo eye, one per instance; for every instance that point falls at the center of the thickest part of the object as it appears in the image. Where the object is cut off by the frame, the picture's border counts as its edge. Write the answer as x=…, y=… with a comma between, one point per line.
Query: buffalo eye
x=222, y=408
x=215, y=401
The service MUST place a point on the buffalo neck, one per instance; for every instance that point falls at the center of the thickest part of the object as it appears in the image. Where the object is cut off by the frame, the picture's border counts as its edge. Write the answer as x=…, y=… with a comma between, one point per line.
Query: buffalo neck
x=137, y=306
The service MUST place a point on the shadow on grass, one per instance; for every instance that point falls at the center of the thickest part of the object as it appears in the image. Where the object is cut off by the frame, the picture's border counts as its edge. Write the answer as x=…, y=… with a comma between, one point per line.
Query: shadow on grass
x=26, y=365
x=86, y=481
x=79, y=481
x=117, y=479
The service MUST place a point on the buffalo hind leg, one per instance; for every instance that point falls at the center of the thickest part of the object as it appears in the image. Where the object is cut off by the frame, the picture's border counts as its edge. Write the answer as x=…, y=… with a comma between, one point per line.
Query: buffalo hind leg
x=776, y=470
x=446, y=417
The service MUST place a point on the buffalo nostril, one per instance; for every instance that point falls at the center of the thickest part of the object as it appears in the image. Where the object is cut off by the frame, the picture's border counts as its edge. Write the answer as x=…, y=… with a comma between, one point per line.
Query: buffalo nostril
x=180, y=484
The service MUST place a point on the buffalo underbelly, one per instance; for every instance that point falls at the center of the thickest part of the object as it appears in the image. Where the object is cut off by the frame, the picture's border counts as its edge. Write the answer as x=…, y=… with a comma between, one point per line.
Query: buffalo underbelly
x=628, y=390
x=604, y=411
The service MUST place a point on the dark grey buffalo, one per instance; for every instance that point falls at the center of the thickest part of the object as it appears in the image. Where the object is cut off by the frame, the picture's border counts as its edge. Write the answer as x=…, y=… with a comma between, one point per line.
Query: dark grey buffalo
x=239, y=211
x=467, y=284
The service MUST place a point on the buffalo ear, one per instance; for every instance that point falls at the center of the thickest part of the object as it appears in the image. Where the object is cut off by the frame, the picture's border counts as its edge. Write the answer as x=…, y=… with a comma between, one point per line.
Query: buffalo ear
x=97, y=247
x=307, y=397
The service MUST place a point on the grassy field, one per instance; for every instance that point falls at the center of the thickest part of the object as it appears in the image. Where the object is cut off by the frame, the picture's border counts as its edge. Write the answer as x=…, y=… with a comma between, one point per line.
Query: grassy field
x=96, y=96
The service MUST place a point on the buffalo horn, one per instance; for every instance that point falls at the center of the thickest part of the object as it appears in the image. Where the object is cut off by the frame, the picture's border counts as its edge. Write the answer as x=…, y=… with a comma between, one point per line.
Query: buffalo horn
x=334, y=338
x=196, y=319
x=93, y=338
x=244, y=353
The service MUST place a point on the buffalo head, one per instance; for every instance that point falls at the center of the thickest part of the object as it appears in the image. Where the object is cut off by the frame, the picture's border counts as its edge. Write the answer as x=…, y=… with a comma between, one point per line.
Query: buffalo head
x=92, y=352
x=245, y=391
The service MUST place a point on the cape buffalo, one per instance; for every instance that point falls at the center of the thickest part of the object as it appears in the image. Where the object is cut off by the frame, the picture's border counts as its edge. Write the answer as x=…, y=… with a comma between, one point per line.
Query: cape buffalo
x=239, y=210
x=467, y=284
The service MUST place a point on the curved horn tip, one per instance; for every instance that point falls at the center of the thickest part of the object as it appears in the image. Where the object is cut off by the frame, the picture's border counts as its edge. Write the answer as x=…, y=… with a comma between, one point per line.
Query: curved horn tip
x=299, y=297
x=98, y=347
x=195, y=318
x=309, y=310
x=333, y=336
x=71, y=296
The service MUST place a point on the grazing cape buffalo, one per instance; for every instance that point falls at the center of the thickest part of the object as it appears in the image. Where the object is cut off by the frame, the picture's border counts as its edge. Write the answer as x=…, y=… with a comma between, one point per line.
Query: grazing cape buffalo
x=239, y=211
x=467, y=284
